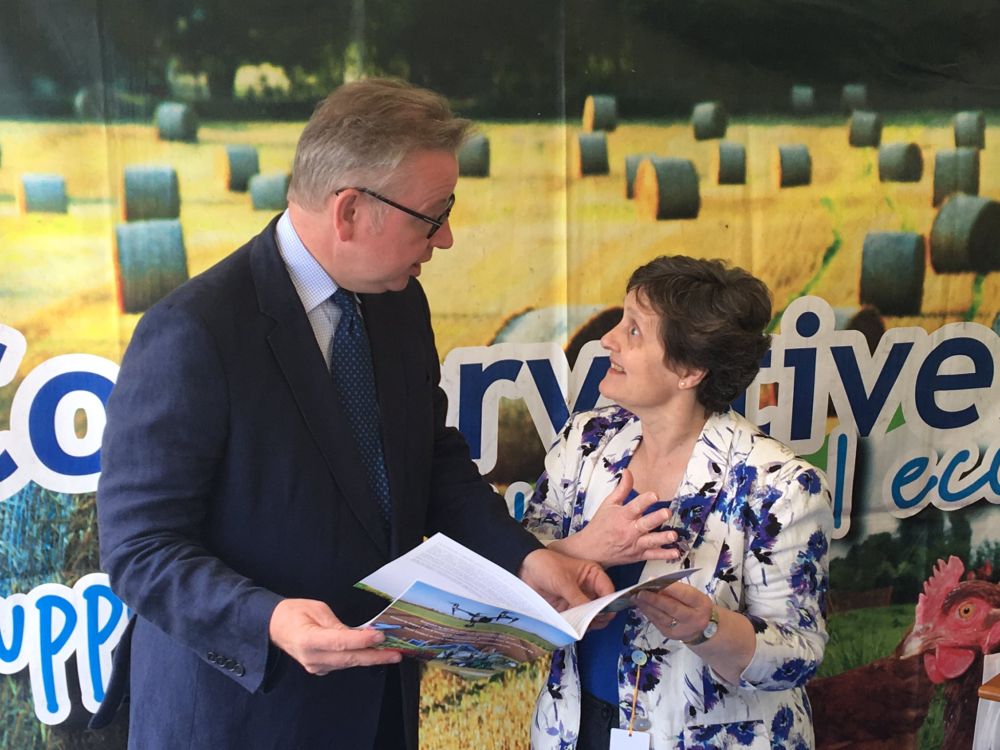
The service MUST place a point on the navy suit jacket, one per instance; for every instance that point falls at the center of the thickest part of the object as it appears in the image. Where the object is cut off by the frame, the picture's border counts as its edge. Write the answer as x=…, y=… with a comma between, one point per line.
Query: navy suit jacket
x=230, y=480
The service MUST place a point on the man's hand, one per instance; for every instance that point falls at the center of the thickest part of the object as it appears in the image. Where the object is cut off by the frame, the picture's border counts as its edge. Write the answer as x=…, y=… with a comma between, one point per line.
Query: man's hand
x=309, y=632
x=619, y=534
x=564, y=581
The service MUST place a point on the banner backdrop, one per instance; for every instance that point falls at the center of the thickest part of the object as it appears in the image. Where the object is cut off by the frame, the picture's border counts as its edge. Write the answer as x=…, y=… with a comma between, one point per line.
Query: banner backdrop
x=844, y=155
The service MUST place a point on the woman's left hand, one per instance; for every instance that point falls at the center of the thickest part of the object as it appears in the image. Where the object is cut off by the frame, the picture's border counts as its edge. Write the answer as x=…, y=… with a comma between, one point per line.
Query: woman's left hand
x=679, y=611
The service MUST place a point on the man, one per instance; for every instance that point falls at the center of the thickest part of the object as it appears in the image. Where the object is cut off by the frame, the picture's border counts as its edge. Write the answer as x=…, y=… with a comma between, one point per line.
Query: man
x=247, y=482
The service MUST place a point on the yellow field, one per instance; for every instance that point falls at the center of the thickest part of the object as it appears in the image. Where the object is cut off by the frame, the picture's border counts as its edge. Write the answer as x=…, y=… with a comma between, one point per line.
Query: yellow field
x=529, y=236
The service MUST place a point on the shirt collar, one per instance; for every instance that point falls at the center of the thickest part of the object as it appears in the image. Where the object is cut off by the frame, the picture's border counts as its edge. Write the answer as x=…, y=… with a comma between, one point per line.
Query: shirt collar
x=313, y=285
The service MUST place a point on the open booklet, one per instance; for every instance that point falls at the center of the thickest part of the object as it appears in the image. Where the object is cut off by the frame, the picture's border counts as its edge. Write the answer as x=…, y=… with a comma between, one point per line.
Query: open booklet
x=455, y=608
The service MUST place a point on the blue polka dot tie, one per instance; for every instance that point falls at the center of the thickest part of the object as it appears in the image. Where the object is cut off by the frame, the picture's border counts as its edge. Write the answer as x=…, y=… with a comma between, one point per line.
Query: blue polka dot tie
x=354, y=376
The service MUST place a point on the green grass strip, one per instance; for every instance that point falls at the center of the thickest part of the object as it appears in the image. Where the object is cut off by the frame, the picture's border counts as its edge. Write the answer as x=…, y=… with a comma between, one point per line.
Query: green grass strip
x=977, y=297
x=828, y=256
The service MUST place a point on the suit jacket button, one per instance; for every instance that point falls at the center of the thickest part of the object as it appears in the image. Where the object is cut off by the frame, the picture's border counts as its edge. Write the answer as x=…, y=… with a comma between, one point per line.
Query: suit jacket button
x=239, y=671
x=211, y=656
x=229, y=664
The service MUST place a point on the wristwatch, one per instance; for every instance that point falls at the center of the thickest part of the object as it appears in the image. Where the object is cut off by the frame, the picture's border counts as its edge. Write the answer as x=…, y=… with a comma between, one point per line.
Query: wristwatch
x=711, y=629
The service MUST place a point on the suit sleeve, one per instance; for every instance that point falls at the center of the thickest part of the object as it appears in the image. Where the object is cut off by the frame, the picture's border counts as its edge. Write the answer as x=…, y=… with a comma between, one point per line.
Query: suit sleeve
x=462, y=503
x=166, y=433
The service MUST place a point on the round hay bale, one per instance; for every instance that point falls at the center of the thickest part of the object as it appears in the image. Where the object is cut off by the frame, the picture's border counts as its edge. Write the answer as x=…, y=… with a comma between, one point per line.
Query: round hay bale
x=241, y=164
x=709, y=120
x=474, y=157
x=794, y=165
x=965, y=235
x=854, y=96
x=593, y=154
x=176, y=122
x=151, y=192
x=866, y=319
x=600, y=112
x=803, y=99
x=88, y=103
x=150, y=262
x=732, y=163
x=970, y=130
x=892, y=272
x=632, y=162
x=955, y=172
x=900, y=162
x=269, y=192
x=865, y=129
x=43, y=193
x=667, y=189
x=592, y=330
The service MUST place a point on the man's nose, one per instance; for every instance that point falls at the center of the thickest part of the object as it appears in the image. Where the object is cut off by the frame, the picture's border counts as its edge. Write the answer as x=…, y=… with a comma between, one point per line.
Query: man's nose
x=443, y=238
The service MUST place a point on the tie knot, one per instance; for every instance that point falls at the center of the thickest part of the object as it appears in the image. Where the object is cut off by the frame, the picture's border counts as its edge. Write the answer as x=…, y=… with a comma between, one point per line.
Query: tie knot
x=345, y=300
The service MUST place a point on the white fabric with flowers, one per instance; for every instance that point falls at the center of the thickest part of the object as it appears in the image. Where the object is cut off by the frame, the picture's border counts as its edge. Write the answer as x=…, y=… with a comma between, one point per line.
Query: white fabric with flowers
x=757, y=522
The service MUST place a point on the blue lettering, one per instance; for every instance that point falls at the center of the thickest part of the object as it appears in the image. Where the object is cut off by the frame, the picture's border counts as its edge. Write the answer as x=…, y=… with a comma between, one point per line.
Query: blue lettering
x=930, y=381
x=944, y=490
x=867, y=407
x=11, y=653
x=548, y=389
x=98, y=635
x=474, y=381
x=49, y=645
x=589, y=393
x=41, y=422
x=908, y=473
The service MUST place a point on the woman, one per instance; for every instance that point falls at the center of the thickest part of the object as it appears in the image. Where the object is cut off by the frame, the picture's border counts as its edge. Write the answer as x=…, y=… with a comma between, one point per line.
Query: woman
x=721, y=660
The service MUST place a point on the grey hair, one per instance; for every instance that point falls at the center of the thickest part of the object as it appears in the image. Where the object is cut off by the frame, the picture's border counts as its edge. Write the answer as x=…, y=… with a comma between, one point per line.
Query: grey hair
x=360, y=133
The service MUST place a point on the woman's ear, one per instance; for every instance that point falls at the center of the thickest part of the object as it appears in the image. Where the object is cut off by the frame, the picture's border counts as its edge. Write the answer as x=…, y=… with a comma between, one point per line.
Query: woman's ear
x=690, y=377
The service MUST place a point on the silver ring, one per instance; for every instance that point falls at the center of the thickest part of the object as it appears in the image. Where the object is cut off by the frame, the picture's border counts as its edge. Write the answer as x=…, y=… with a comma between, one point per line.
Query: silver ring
x=673, y=622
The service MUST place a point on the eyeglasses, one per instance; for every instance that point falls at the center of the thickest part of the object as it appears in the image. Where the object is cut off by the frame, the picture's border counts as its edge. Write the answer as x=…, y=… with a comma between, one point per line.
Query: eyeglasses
x=436, y=224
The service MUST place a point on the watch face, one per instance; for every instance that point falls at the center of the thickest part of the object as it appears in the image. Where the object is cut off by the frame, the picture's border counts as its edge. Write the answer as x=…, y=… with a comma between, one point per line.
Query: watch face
x=710, y=628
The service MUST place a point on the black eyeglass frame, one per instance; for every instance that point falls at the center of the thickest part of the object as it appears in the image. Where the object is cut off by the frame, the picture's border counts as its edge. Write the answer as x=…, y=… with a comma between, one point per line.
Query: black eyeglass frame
x=436, y=224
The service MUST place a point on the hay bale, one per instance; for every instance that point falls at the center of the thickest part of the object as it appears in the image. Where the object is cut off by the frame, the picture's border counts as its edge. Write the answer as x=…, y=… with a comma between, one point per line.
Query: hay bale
x=892, y=272
x=151, y=192
x=43, y=193
x=732, y=163
x=88, y=103
x=794, y=165
x=176, y=122
x=965, y=235
x=803, y=99
x=900, y=162
x=667, y=189
x=269, y=192
x=865, y=129
x=632, y=162
x=600, y=112
x=474, y=157
x=150, y=262
x=866, y=319
x=970, y=130
x=955, y=172
x=241, y=164
x=592, y=154
x=854, y=96
x=709, y=120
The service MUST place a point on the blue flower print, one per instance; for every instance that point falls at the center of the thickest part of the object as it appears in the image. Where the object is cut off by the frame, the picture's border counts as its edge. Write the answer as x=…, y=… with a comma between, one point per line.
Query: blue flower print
x=781, y=725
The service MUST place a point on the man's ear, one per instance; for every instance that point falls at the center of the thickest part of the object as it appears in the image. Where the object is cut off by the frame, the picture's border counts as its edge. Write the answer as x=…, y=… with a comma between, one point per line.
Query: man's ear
x=343, y=209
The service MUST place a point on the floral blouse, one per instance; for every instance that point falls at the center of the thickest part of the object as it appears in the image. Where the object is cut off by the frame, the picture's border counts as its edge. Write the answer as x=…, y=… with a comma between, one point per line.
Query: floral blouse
x=757, y=522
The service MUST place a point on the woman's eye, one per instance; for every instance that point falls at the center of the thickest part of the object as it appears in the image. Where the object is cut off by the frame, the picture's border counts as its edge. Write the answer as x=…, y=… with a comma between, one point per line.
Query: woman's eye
x=633, y=331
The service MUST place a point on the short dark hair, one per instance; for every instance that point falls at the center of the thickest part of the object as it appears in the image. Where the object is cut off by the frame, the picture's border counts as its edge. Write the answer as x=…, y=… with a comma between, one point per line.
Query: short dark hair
x=712, y=317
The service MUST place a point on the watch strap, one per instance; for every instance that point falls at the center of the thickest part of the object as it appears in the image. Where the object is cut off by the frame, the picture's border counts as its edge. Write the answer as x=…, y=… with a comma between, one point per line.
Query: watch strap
x=708, y=632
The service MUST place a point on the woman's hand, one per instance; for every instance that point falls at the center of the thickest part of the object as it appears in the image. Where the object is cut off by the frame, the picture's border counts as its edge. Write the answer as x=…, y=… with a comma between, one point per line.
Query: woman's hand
x=620, y=533
x=681, y=612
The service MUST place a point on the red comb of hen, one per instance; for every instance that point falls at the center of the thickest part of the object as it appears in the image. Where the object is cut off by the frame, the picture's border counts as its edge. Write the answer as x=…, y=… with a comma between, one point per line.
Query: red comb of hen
x=946, y=577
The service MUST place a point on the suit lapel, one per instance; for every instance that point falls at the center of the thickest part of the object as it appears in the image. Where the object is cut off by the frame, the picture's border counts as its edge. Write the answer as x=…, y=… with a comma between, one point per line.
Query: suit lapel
x=293, y=344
